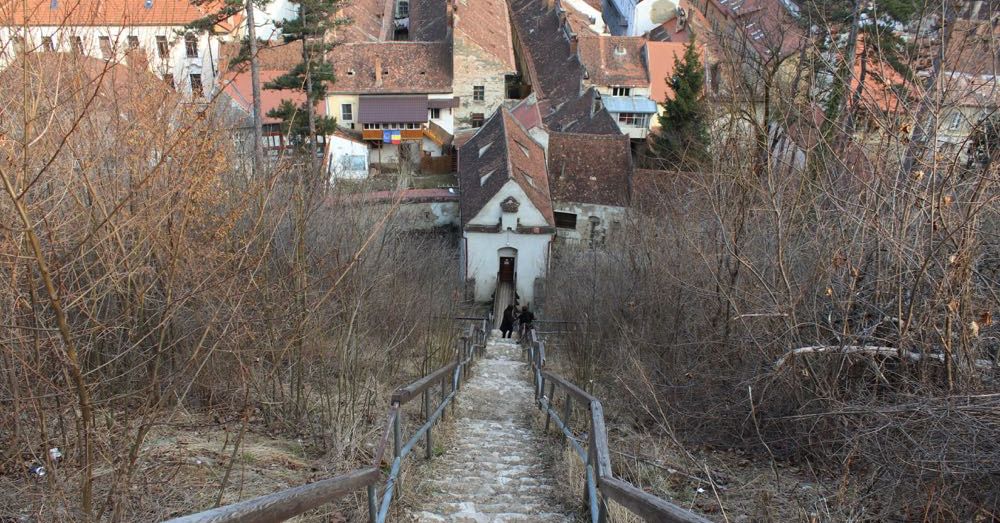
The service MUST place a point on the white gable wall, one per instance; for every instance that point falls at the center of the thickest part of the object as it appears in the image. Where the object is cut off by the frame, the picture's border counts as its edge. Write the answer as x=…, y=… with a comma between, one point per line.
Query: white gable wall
x=482, y=258
x=527, y=214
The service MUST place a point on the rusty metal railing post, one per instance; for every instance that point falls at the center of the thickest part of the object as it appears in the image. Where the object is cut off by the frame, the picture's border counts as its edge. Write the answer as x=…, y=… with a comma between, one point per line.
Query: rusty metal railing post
x=372, y=510
x=444, y=394
x=427, y=413
x=548, y=411
x=397, y=433
x=567, y=410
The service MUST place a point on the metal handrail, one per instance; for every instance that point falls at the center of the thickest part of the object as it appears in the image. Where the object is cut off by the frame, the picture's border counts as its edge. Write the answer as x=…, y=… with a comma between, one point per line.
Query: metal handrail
x=292, y=502
x=600, y=479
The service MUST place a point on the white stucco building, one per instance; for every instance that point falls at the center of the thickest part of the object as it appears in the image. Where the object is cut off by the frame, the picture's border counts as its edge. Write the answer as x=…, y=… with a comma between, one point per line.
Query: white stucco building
x=506, y=210
x=145, y=33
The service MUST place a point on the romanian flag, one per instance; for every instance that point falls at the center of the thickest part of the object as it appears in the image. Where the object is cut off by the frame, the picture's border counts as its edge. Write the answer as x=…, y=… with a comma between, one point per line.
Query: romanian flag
x=397, y=136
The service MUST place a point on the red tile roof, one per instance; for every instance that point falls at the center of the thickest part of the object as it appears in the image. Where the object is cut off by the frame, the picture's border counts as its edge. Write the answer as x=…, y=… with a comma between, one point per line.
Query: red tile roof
x=503, y=150
x=613, y=60
x=486, y=24
x=101, y=12
x=403, y=67
x=588, y=168
x=882, y=84
x=274, y=61
x=370, y=21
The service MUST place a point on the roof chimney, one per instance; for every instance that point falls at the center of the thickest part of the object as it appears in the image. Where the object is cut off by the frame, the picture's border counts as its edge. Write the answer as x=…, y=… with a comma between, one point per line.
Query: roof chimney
x=378, y=71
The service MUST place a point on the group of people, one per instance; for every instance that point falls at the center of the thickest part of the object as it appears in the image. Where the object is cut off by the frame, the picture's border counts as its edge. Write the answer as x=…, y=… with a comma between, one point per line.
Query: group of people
x=521, y=318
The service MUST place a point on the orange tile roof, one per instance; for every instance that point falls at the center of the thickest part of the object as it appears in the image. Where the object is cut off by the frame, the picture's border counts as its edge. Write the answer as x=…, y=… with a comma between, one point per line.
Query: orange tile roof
x=660, y=57
x=274, y=61
x=880, y=90
x=101, y=12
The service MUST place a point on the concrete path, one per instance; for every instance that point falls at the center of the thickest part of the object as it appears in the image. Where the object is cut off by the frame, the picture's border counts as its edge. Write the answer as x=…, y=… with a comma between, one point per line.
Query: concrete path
x=494, y=469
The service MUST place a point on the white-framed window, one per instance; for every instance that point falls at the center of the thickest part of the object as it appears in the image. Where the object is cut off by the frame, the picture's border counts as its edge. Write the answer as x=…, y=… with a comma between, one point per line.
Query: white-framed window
x=162, y=47
x=478, y=93
x=133, y=42
x=633, y=119
x=47, y=44
x=105, y=42
x=435, y=113
x=403, y=9
x=346, y=112
x=196, y=88
x=191, y=45
x=621, y=91
x=956, y=121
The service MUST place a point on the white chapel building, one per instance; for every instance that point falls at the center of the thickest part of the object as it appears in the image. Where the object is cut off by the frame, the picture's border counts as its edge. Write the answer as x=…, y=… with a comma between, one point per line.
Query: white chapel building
x=506, y=211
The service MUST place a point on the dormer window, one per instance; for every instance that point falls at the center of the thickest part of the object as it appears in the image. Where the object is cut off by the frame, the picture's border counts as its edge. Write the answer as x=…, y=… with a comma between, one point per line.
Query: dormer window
x=483, y=178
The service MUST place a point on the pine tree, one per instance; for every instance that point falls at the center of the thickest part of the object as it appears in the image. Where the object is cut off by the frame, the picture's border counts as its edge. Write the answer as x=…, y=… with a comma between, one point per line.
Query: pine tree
x=311, y=75
x=683, y=139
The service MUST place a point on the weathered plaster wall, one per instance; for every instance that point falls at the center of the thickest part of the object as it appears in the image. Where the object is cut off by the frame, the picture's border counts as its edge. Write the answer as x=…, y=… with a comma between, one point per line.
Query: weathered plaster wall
x=474, y=66
x=609, y=220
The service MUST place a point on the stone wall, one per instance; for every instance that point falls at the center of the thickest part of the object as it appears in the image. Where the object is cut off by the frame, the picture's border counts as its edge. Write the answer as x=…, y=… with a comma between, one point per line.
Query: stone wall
x=474, y=66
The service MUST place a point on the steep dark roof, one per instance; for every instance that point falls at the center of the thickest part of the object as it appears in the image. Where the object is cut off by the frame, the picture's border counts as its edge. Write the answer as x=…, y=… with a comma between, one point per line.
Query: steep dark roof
x=578, y=116
x=428, y=20
x=504, y=151
x=555, y=71
x=588, y=168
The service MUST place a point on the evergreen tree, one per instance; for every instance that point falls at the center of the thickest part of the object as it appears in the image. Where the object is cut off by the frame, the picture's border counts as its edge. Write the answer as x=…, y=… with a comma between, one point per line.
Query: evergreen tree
x=311, y=75
x=683, y=139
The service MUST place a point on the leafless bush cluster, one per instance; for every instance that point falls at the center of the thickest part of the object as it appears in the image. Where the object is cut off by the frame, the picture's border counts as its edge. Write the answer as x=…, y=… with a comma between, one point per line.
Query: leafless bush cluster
x=145, y=271
x=869, y=251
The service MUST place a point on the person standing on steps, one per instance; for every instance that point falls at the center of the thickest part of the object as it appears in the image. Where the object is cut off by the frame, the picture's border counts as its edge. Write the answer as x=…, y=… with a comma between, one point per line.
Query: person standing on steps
x=507, y=324
x=526, y=318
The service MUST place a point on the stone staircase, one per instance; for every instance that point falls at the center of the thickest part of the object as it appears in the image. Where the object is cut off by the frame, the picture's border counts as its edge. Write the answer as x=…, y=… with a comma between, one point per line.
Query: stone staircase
x=494, y=468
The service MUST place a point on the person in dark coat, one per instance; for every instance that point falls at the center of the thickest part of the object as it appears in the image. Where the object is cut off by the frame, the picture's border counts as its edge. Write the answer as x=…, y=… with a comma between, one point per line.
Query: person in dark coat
x=526, y=317
x=507, y=324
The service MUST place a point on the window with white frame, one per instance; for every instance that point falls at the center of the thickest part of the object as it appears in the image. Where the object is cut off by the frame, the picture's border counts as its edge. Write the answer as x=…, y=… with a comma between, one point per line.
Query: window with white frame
x=621, y=91
x=346, y=112
x=47, y=44
x=956, y=121
x=633, y=119
x=105, y=43
x=435, y=113
x=191, y=45
x=162, y=47
x=478, y=93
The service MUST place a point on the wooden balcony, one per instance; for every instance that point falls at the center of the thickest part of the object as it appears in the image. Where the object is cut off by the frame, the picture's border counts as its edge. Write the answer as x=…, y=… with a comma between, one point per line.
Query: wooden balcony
x=406, y=134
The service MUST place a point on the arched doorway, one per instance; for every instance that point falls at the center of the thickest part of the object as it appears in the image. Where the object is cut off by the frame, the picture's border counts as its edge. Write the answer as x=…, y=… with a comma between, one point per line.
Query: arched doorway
x=508, y=264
